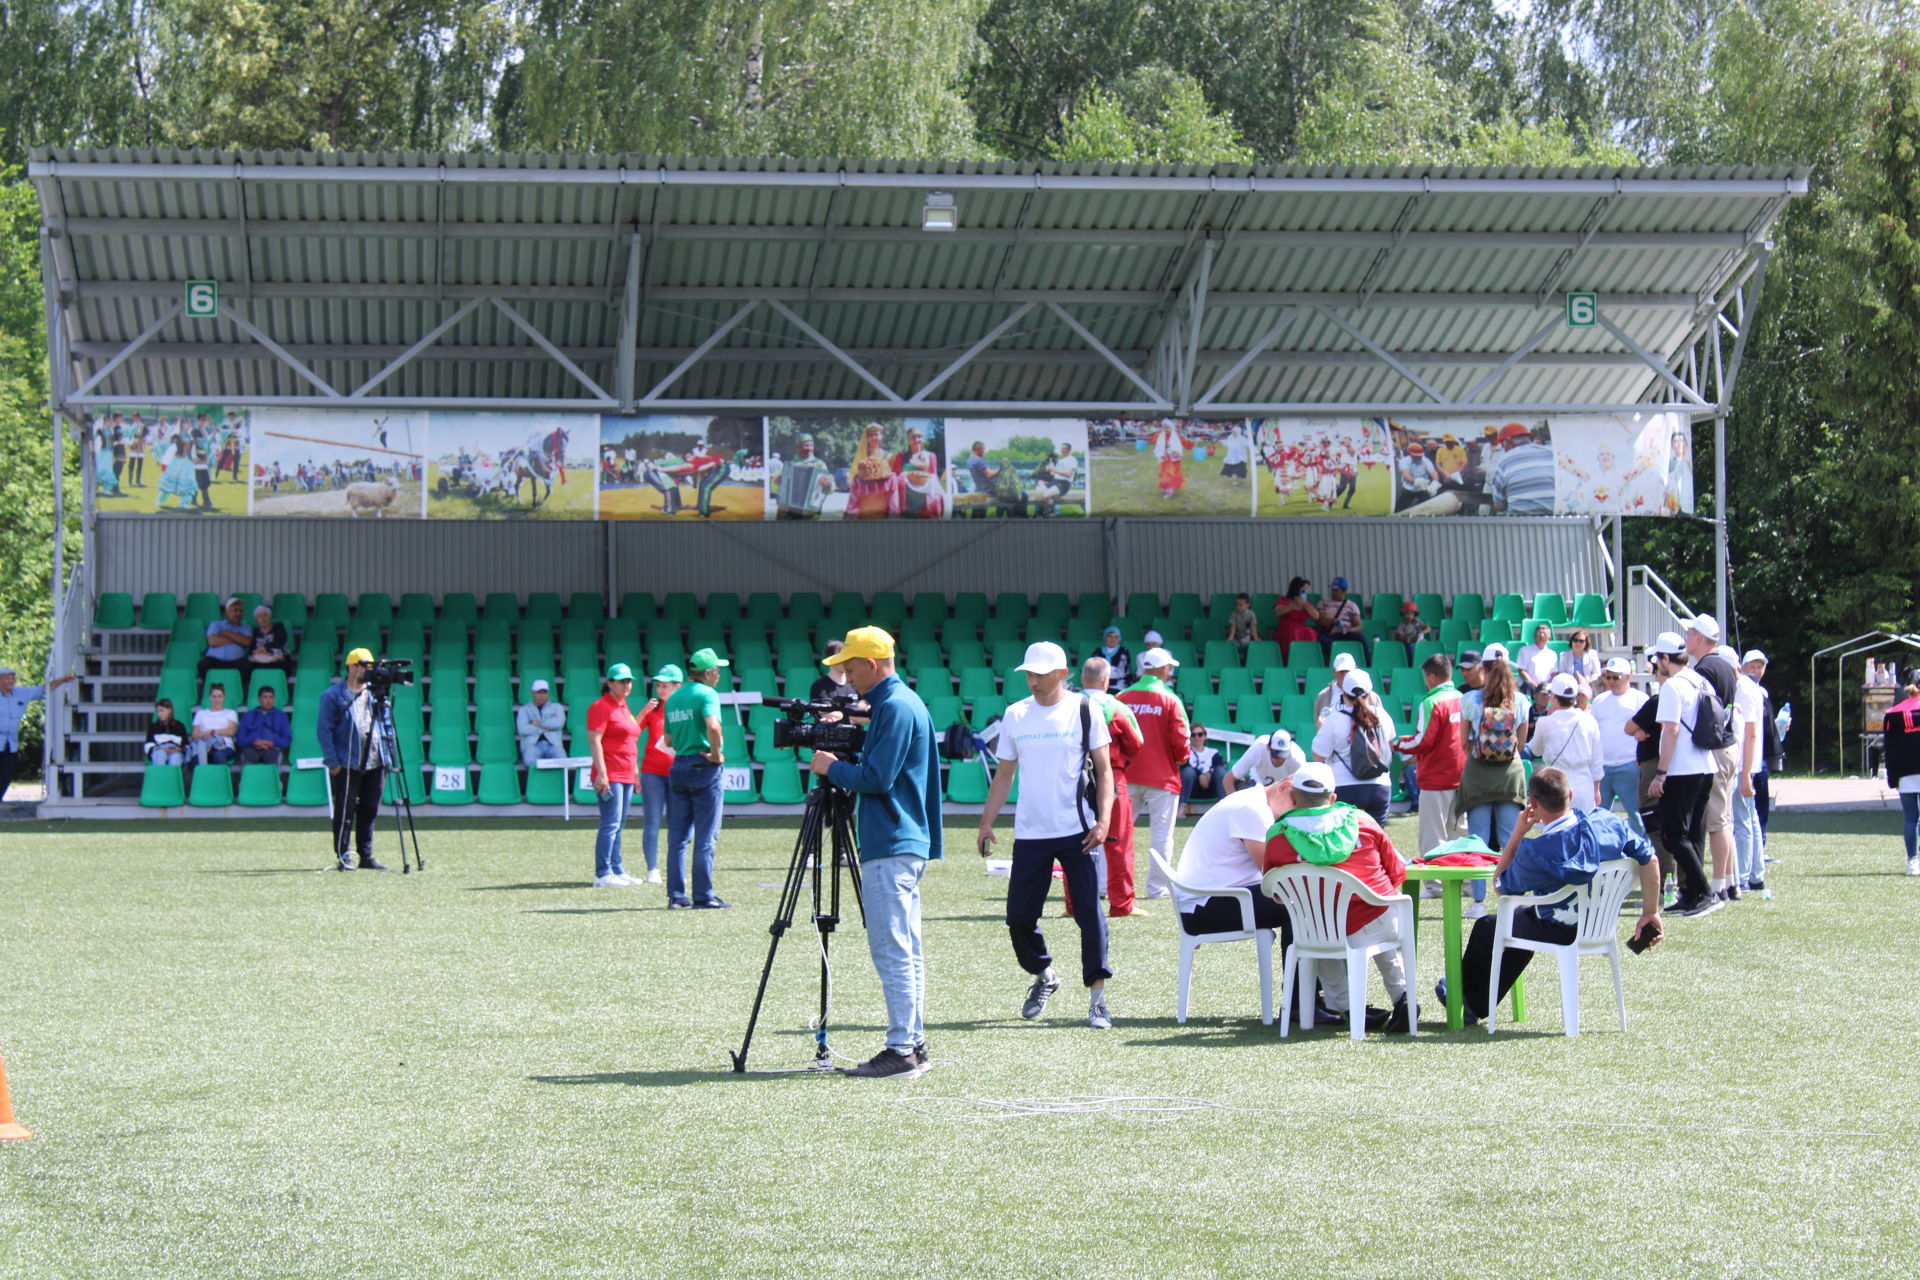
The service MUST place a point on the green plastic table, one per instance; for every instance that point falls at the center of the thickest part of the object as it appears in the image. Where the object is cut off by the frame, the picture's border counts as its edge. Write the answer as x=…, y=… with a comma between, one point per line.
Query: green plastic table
x=1450, y=934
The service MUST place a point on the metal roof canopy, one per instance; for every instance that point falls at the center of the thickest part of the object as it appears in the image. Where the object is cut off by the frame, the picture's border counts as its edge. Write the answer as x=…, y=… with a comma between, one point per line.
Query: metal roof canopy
x=644, y=284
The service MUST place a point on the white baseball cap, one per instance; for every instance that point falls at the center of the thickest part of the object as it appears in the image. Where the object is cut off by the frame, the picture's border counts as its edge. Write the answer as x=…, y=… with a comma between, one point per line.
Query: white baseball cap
x=1707, y=625
x=1343, y=662
x=538, y=685
x=1563, y=685
x=1726, y=651
x=1359, y=683
x=1279, y=742
x=1753, y=655
x=1493, y=651
x=1670, y=643
x=1156, y=658
x=1043, y=658
x=1618, y=667
x=1314, y=779
x=1153, y=637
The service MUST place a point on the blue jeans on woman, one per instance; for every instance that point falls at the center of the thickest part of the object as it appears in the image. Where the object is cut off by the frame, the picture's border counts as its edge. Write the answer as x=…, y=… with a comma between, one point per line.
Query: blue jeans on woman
x=613, y=816
x=1493, y=823
x=693, y=812
x=653, y=808
x=1910, y=819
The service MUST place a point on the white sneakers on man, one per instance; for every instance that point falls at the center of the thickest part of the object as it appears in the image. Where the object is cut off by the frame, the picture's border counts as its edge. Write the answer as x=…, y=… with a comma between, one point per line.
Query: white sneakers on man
x=653, y=876
x=1913, y=866
x=613, y=882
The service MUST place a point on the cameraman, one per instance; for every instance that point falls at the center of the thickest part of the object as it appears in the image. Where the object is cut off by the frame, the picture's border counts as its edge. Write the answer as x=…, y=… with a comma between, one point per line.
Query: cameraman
x=346, y=722
x=898, y=782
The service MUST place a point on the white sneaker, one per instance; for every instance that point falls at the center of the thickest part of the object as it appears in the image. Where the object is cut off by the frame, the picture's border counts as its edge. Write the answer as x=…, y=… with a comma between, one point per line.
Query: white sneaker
x=1473, y=911
x=1913, y=866
x=612, y=882
x=653, y=876
x=1432, y=889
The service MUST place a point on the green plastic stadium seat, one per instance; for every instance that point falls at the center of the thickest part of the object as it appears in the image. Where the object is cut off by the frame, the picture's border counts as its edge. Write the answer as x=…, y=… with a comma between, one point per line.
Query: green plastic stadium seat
x=1143, y=607
x=972, y=607
x=159, y=611
x=545, y=606
x=1013, y=607
x=1236, y=683
x=1007, y=654
x=977, y=683
x=1385, y=606
x=1302, y=654
x=945, y=710
x=986, y=709
x=459, y=606
x=375, y=607
x=461, y=794
x=929, y=606
x=546, y=786
x=1592, y=610
x=1508, y=607
x=782, y=782
x=231, y=682
x=499, y=784
x=1550, y=607
x=416, y=606
x=1469, y=606
x=1221, y=654
x=203, y=606
x=501, y=606
x=1191, y=680
x=682, y=607
x=795, y=681
x=1427, y=648
x=1211, y=709
x=1495, y=632
x=306, y=788
x=164, y=786
x=212, y=787
x=932, y=682
x=494, y=728
x=1431, y=606
x=588, y=606
x=267, y=679
x=967, y=782
x=450, y=729
x=583, y=792
x=1056, y=606
x=113, y=611
x=1352, y=648
x=259, y=785
x=639, y=607
x=1263, y=653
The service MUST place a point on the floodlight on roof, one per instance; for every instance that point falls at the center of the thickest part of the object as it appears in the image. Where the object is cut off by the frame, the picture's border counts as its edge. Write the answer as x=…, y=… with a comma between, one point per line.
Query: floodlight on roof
x=939, y=213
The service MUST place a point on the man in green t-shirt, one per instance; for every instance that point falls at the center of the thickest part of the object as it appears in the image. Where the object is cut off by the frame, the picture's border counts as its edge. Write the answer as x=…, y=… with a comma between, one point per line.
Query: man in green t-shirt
x=694, y=787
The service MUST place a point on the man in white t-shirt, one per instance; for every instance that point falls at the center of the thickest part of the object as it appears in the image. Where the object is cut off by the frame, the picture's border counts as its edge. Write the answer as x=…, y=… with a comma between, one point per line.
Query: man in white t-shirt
x=1619, y=772
x=214, y=726
x=1266, y=763
x=1683, y=779
x=1749, y=843
x=1047, y=740
x=1224, y=851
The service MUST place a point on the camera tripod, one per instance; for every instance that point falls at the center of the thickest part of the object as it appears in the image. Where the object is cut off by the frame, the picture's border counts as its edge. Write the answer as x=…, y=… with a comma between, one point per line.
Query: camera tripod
x=382, y=732
x=829, y=810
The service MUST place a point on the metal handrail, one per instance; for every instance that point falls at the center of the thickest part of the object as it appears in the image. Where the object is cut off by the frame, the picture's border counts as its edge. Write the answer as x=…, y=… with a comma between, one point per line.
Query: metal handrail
x=70, y=625
x=1640, y=577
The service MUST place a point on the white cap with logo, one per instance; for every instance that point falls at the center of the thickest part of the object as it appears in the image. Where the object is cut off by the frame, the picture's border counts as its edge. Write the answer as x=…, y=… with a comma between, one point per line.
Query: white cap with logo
x=1707, y=625
x=1670, y=643
x=1157, y=659
x=1343, y=662
x=1753, y=656
x=1043, y=658
x=1314, y=779
x=1563, y=685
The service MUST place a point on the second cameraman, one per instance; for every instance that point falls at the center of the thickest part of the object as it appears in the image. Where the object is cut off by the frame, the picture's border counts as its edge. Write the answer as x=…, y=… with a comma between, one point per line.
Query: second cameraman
x=898, y=782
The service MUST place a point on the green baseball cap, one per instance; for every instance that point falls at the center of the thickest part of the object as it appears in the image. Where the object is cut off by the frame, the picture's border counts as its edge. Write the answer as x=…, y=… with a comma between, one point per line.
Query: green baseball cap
x=707, y=660
x=619, y=671
x=671, y=674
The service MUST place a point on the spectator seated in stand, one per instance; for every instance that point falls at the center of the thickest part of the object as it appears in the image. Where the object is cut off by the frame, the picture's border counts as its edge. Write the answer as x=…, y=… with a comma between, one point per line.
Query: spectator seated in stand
x=214, y=727
x=166, y=737
x=265, y=735
x=1204, y=774
x=1410, y=631
x=1242, y=627
x=267, y=650
x=228, y=640
x=1339, y=617
x=538, y=725
x=1536, y=661
x=1116, y=655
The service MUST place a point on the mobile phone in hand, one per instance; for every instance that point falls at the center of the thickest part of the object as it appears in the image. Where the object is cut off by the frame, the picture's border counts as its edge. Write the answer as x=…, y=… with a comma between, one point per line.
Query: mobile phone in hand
x=1643, y=939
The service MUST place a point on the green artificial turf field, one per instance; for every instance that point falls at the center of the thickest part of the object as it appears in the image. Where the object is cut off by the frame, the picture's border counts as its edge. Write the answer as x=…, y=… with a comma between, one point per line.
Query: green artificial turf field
x=238, y=1066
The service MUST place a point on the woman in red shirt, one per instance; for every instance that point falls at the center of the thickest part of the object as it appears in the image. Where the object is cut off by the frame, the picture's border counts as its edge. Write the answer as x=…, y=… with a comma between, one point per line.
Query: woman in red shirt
x=655, y=763
x=614, y=736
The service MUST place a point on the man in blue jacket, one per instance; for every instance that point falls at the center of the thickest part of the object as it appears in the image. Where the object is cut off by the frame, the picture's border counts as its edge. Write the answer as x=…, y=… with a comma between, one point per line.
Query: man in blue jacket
x=346, y=722
x=265, y=733
x=1570, y=847
x=898, y=782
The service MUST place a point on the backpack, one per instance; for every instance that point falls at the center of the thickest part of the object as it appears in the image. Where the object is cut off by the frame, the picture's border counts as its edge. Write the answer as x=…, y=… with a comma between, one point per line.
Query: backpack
x=1365, y=760
x=1712, y=718
x=1495, y=734
x=1087, y=790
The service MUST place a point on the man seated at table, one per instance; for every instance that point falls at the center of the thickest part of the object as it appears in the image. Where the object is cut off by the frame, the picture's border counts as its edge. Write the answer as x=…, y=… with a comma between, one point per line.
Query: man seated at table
x=1570, y=847
x=1225, y=850
x=1321, y=832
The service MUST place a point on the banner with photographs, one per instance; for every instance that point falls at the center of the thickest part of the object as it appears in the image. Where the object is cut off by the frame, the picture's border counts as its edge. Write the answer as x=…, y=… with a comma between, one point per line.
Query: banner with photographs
x=1636, y=464
x=510, y=466
x=1633, y=465
x=359, y=464
x=681, y=467
x=856, y=468
x=170, y=459
x=1170, y=467
x=1019, y=467
x=1322, y=467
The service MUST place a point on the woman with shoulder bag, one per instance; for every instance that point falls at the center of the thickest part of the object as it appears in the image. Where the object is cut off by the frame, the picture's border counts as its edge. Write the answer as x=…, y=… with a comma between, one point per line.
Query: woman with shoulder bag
x=1493, y=783
x=1356, y=738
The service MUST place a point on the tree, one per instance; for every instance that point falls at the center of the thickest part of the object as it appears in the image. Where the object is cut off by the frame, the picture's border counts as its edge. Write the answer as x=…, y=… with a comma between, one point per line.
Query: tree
x=1155, y=115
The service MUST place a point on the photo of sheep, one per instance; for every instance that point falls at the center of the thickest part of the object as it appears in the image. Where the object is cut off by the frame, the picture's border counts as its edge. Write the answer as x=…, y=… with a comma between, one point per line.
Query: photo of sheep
x=365, y=465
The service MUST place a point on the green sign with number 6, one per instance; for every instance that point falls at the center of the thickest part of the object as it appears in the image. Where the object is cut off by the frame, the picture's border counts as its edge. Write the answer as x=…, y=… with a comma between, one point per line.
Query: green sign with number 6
x=1583, y=310
x=203, y=299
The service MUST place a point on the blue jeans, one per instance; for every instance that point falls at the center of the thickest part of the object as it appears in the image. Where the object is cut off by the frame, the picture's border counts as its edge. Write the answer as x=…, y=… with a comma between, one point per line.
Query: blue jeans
x=1749, y=846
x=1209, y=785
x=536, y=749
x=1623, y=780
x=693, y=812
x=1493, y=823
x=653, y=807
x=613, y=816
x=890, y=893
x=1910, y=819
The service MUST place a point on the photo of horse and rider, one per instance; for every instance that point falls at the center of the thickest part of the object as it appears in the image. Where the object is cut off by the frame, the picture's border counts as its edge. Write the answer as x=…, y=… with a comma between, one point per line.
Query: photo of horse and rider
x=681, y=467
x=510, y=466
x=363, y=464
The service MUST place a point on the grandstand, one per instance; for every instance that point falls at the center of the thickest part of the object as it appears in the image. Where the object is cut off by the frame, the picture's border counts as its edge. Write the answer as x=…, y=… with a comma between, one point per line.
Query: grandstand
x=637, y=285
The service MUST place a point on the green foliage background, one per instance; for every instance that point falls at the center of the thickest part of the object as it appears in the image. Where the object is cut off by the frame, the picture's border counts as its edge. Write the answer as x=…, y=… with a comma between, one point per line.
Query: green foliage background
x=1821, y=491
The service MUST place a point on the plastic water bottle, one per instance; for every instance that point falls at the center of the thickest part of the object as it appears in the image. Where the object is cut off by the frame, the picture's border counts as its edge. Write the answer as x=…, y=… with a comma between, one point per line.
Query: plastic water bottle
x=1783, y=720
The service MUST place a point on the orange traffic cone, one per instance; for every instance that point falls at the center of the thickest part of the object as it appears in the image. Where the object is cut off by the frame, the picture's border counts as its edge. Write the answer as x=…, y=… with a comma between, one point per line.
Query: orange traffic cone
x=8, y=1128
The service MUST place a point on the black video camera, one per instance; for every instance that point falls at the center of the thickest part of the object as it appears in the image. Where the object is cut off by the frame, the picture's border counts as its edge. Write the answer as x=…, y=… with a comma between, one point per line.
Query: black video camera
x=388, y=672
x=804, y=728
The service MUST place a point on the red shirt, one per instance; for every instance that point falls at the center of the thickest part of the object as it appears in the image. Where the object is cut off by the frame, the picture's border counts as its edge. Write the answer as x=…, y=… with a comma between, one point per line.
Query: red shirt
x=1439, y=753
x=620, y=737
x=1164, y=734
x=1376, y=864
x=659, y=754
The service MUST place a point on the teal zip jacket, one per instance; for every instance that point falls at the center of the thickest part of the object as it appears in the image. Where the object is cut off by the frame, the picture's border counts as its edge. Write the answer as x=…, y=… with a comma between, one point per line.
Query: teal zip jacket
x=897, y=778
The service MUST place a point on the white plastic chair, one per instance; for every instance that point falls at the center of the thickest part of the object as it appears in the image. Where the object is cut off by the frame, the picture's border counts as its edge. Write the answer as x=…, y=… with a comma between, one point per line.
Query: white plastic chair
x=1262, y=940
x=1317, y=900
x=1595, y=933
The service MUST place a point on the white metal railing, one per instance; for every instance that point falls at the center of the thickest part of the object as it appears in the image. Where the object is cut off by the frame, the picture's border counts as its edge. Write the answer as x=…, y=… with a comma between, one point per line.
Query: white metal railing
x=71, y=620
x=1652, y=607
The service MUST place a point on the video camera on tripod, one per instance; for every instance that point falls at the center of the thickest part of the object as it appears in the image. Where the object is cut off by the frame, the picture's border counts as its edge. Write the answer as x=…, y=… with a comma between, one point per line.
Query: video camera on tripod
x=388, y=673
x=805, y=726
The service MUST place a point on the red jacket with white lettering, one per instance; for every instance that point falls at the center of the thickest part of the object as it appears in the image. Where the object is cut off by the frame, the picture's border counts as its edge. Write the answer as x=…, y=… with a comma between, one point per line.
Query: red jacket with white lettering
x=1163, y=730
x=1439, y=755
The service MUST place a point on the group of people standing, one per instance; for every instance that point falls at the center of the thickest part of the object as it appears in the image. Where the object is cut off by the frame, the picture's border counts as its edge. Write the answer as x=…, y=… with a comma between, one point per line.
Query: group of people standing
x=191, y=453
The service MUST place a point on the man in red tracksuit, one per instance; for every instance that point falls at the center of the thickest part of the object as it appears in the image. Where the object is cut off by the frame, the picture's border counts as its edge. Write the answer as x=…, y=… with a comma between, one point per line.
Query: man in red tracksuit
x=1153, y=777
x=1124, y=733
x=1438, y=753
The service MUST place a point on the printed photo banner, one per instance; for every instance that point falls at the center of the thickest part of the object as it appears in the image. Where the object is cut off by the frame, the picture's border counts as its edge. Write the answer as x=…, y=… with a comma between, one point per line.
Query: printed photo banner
x=476, y=465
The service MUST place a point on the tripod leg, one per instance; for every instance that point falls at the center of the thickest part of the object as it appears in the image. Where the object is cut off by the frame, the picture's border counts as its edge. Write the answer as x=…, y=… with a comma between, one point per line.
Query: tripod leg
x=805, y=846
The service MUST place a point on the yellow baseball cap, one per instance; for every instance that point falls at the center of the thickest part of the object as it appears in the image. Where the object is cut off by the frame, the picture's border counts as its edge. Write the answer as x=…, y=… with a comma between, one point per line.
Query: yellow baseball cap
x=862, y=642
x=359, y=655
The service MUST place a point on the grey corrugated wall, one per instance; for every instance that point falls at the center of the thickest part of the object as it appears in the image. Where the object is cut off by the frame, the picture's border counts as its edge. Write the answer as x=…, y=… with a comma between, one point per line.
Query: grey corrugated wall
x=182, y=554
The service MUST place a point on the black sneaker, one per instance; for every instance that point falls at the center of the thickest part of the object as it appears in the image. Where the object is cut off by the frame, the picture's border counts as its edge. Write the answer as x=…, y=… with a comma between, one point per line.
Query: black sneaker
x=369, y=863
x=1705, y=905
x=1756, y=886
x=920, y=1054
x=679, y=904
x=1038, y=994
x=1733, y=893
x=887, y=1064
x=1440, y=994
x=711, y=904
x=1398, y=1023
x=345, y=863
